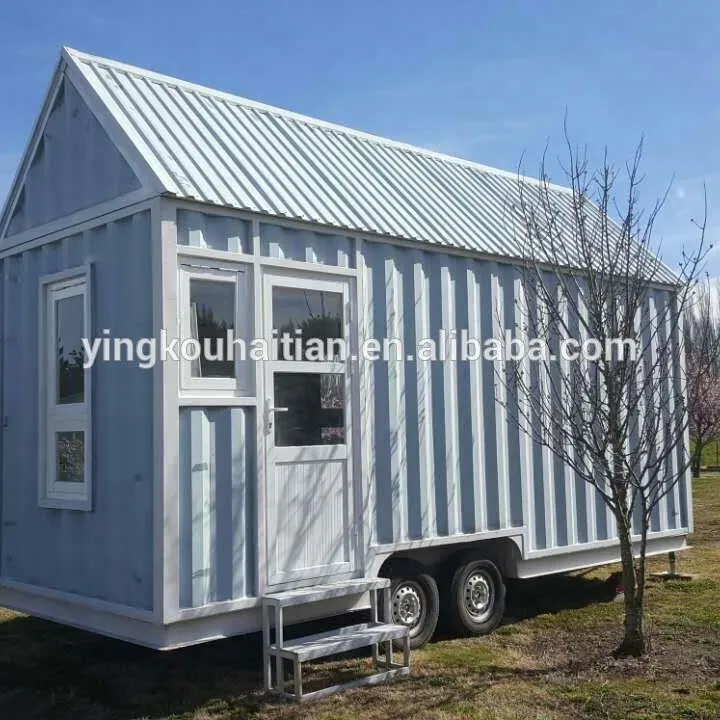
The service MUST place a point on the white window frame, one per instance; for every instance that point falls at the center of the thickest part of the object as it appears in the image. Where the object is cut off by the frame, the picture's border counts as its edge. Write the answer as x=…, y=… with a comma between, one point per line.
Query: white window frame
x=242, y=384
x=54, y=418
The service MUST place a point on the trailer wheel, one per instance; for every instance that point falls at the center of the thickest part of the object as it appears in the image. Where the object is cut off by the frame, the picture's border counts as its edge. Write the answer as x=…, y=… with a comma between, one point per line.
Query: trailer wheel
x=477, y=597
x=415, y=603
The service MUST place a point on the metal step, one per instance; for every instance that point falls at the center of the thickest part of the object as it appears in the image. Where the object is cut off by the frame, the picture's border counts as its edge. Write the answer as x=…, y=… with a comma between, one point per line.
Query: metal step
x=374, y=634
x=318, y=593
x=341, y=640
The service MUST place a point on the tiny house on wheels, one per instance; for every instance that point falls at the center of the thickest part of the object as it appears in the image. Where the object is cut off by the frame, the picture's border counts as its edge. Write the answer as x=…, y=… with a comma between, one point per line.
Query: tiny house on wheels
x=168, y=503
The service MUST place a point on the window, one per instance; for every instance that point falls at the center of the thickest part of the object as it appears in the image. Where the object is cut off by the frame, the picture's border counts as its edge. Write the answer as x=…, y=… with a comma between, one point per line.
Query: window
x=212, y=317
x=307, y=314
x=65, y=453
x=215, y=319
x=313, y=409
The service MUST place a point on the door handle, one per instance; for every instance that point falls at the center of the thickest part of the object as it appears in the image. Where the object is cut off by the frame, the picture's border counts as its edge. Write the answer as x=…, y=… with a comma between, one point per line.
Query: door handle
x=269, y=411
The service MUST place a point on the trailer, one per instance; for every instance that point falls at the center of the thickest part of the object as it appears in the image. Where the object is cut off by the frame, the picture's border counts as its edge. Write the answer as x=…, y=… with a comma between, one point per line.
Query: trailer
x=168, y=503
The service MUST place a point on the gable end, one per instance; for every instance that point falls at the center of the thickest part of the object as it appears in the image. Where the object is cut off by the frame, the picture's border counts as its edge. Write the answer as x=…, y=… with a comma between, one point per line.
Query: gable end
x=74, y=165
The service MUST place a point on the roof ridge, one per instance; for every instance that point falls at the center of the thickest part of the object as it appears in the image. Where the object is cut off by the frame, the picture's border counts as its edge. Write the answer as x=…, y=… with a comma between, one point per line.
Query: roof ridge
x=78, y=55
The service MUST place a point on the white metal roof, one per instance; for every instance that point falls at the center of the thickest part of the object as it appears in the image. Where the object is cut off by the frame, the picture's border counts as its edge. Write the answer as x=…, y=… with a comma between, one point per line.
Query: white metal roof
x=225, y=150
x=202, y=144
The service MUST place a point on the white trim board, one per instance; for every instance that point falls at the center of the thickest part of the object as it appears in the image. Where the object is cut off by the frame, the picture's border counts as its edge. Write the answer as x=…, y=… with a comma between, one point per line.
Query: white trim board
x=166, y=515
x=611, y=542
x=76, y=600
x=196, y=625
x=352, y=234
x=116, y=209
x=55, y=418
x=514, y=534
x=594, y=557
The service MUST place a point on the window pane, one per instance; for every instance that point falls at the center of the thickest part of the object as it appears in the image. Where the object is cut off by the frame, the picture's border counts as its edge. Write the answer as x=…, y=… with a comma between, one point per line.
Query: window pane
x=316, y=314
x=70, y=456
x=316, y=409
x=70, y=326
x=212, y=315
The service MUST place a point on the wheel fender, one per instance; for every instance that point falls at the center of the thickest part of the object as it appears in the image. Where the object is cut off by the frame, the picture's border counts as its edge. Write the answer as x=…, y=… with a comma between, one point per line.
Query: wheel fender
x=398, y=567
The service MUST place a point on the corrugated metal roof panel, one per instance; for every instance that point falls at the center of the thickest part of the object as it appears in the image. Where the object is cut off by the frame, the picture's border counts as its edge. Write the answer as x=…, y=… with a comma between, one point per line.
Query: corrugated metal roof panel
x=224, y=150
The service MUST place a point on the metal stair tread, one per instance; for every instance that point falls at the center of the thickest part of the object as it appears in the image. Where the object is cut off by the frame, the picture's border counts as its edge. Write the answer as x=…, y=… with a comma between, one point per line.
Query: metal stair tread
x=341, y=640
x=316, y=593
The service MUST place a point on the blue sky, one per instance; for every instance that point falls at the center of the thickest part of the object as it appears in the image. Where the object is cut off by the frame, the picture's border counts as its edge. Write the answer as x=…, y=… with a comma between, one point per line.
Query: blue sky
x=488, y=81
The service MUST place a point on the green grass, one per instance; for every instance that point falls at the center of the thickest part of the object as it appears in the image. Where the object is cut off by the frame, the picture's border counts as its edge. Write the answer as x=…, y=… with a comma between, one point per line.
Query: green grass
x=551, y=660
x=710, y=453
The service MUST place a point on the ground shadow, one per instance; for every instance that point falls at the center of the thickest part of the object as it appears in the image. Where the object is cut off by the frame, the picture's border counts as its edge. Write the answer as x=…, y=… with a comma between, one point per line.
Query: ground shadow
x=549, y=594
x=555, y=593
x=48, y=671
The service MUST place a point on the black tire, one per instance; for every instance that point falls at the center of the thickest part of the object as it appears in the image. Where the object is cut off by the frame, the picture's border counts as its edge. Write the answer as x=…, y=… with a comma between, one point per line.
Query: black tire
x=415, y=602
x=477, y=597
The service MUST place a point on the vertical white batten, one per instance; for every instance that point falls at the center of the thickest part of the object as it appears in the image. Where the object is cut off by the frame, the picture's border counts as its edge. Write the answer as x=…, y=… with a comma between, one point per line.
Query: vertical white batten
x=548, y=458
x=424, y=399
x=260, y=410
x=675, y=521
x=476, y=402
x=354, y=379
x=590, y=492
x=396, y=400
x=524, y=409
x=452, y=450
x=201, y=504
x=640, y=409
x=501, y=434
x=662, y=503
x=610, y=521
x=166, y=513
x=570, y=499
x=680, y=334
x=367, y=393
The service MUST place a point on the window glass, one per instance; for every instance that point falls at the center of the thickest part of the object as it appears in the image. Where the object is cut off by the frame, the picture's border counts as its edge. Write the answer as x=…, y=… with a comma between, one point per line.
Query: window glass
x=314, y=313
x=315, y=405
x=69, y=329
x=70, y=456
x=212, y=315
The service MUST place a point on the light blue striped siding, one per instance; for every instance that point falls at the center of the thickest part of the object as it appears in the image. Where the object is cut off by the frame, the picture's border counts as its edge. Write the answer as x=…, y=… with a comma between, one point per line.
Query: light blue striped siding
x=74, y=167
x=440, y=485
x=106, y=553
x=217, y=232
x=448, y=456
x=217, y=501
x=306, y=246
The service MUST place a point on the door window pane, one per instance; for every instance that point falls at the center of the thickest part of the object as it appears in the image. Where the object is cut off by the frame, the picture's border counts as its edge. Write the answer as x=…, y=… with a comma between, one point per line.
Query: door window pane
x=212, y=315
x=70, y=456
x=307, y=314
x=315, y=409
x=69, y=330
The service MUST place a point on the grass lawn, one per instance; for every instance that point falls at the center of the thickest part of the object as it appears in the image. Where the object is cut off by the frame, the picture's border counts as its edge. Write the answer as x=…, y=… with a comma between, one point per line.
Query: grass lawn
x=550, y=660
x=710, y=453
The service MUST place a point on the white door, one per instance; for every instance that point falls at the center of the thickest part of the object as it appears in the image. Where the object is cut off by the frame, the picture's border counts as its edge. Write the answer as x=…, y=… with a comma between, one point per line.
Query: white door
x=309, y=492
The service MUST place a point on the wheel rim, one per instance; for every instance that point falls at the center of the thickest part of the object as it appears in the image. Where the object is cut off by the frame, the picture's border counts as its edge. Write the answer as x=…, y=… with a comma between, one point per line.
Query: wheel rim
x=409, y=607
x=479, y=595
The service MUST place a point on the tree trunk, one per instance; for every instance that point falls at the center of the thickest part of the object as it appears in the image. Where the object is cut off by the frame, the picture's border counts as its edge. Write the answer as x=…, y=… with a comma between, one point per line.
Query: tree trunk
x=633, y=643
x=697, y=457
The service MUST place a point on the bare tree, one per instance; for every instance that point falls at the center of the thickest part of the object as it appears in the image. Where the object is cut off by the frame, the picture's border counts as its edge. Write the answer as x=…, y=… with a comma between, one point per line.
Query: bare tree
x=592, y=272
x=702, y=349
